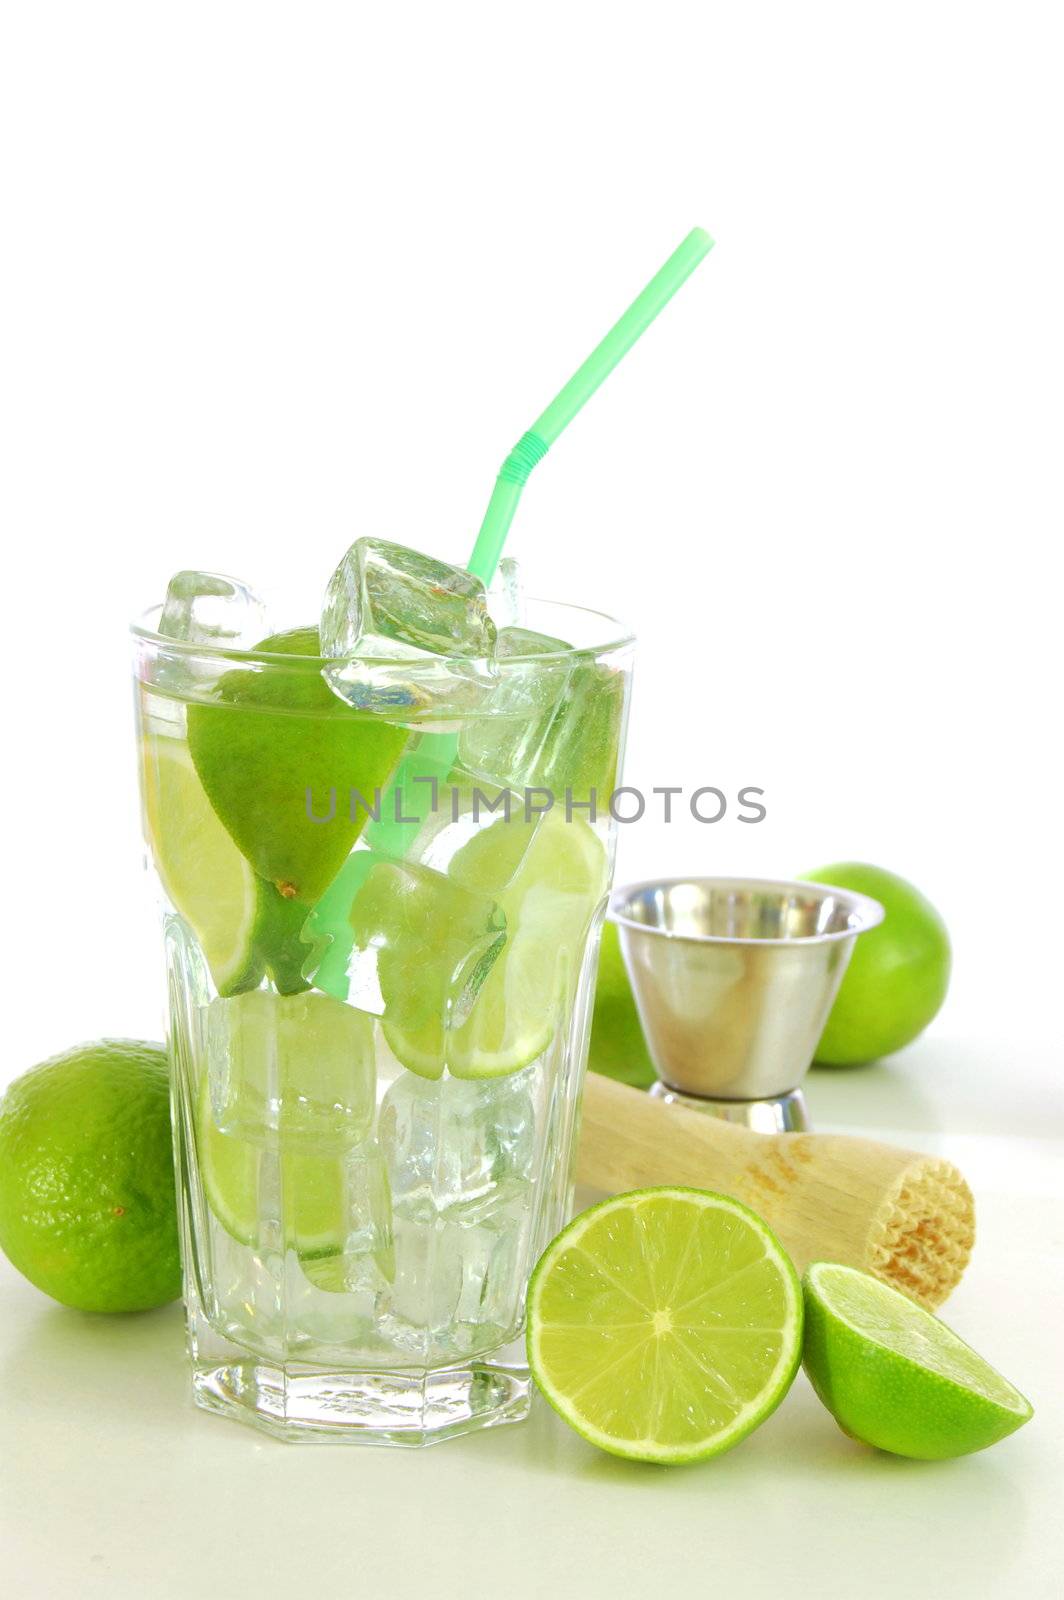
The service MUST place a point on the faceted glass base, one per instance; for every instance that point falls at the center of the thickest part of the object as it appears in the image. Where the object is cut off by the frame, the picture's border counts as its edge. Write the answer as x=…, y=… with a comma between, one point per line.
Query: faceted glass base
x=311, y=1404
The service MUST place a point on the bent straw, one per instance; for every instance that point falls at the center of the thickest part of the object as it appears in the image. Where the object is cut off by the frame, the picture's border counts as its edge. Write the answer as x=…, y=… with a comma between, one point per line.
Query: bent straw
x=435, y=753
x=533, y=445
x=404, y=804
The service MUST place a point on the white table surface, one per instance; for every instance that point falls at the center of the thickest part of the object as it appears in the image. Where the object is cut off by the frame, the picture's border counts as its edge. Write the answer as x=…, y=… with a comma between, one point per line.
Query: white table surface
x=112, y=1484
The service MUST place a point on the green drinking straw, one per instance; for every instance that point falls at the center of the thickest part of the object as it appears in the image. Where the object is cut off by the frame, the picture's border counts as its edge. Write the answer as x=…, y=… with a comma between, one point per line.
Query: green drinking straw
x=435, y=753
x=533, y=445
x=329, y=927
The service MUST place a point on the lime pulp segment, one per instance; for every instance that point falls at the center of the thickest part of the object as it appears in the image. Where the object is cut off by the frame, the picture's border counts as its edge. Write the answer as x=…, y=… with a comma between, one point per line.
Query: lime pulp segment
x=665, y=1324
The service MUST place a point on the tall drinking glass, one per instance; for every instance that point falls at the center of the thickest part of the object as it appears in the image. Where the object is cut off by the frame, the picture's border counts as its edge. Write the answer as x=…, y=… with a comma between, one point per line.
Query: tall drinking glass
x=378, y=1011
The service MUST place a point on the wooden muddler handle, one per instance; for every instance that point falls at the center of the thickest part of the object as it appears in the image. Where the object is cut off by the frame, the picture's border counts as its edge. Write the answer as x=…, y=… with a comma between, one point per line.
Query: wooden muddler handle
x=830, y=1197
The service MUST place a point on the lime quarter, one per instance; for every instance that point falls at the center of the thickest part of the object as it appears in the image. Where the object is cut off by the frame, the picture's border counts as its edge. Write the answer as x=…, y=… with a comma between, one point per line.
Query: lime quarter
x=894, y=1376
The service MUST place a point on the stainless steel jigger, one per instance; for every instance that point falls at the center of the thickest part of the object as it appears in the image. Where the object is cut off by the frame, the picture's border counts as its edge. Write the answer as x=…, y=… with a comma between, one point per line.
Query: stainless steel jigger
x=734, y=979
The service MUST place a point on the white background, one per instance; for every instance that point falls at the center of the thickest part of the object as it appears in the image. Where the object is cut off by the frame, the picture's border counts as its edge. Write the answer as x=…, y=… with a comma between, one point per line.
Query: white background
x=275, y=276
x=280, y=276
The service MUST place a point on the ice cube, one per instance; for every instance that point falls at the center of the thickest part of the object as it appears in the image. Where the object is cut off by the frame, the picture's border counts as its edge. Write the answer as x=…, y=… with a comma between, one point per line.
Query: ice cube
x=212, y=609
x=299, y=1069
x=555, y=721
x=506, y=599
x=427, y=1286
x=366, y=1258
x=459, y=1289
x=461, y=1159
x=407, y=635
x=495, y=1271
x=459, y=1149
x=315, y=1249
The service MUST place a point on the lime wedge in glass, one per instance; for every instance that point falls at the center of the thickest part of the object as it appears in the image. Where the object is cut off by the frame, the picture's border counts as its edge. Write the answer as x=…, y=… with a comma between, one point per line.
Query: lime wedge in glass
x=666, y=1324
x=266, y=741
x=313, y=1188
x=202, y=872
x=291, y=1079
x=473, y=963
x=548, y=877
x=432, y=943
x=894, y=1376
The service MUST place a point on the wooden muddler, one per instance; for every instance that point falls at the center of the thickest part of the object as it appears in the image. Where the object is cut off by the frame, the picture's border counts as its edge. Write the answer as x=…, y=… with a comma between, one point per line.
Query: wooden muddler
x=906, y=1217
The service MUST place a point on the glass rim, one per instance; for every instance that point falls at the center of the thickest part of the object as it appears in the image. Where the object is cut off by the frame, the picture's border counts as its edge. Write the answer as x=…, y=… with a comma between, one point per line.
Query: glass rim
x=618, y=637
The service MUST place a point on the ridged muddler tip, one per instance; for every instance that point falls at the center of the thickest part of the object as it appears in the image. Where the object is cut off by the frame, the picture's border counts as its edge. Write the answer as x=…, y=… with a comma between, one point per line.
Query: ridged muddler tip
x=924, y=1232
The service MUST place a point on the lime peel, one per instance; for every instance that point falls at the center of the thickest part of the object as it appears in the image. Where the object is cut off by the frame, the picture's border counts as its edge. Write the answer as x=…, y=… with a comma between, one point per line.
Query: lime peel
x=894, y=1376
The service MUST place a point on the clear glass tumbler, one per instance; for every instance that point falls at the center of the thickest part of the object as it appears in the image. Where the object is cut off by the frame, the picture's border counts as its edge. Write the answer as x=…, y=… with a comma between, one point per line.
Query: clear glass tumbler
x=381, y=929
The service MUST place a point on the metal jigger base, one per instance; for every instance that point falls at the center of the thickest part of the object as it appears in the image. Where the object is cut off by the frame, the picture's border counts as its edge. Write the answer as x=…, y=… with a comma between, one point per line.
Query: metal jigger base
x=782, y=1113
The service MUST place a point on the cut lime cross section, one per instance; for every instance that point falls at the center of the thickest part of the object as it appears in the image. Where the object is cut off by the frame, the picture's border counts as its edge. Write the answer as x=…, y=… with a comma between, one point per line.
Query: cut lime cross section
x=894, y=1376
x=204, y=875
x=665, y=1325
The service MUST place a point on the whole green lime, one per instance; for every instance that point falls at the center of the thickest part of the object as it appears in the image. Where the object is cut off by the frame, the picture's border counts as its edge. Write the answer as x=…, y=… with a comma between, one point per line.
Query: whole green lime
x=87, y=1208
x=898, y=974
x=618, y=1048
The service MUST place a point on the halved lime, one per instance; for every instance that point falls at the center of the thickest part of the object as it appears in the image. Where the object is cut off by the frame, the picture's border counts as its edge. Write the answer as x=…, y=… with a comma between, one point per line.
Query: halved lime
x=201, y=870
x=894, y=1376
x=295, y=1076
x=665, y=1325
x=548, y=876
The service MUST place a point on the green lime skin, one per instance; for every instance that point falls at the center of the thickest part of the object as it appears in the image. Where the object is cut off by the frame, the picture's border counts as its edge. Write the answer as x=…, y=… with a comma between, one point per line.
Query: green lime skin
x=269, y=738
x=87, y=1207
x=276, y=943
x=898, y=974
x=618, y=1048
x=895, y=1402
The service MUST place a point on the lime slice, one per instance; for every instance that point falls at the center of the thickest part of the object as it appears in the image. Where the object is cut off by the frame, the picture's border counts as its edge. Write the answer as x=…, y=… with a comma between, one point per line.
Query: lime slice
x=665, y=1325
x=296, y=1075
x=313, y=1188
x=548, y=878
x=894, y=1376
x=433, y=942
x=204, y=875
